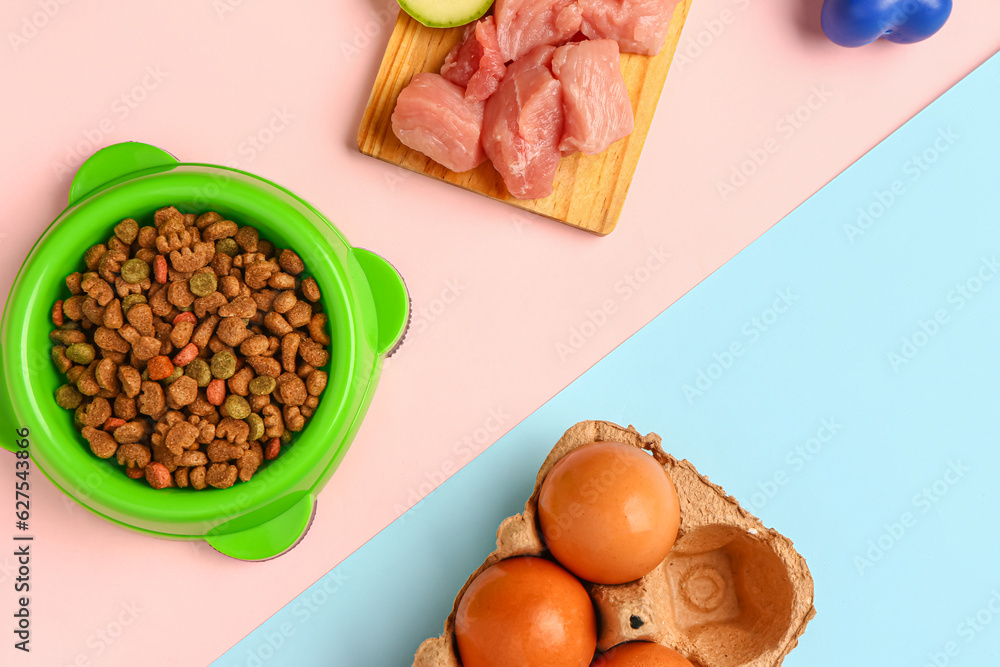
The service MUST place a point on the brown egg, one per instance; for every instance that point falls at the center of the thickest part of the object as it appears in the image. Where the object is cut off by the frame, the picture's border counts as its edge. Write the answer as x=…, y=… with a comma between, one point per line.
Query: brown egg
x=608, y=512
x=641, y=654
x=527, y=612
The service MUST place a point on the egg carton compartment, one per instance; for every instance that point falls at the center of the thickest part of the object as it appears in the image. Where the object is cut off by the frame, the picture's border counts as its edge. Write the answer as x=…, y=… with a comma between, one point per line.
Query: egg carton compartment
x=731, y=592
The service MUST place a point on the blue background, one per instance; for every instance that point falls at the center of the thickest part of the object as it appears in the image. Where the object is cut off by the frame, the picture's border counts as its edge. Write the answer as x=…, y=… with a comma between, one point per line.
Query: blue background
x=895, y=513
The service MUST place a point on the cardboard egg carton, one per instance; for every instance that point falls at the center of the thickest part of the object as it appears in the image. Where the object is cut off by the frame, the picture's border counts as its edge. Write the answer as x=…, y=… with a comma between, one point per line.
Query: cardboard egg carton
x=731, y=593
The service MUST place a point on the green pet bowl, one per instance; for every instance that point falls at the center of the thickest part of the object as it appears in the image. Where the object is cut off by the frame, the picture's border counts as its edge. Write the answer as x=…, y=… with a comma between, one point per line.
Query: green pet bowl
x=363, y=296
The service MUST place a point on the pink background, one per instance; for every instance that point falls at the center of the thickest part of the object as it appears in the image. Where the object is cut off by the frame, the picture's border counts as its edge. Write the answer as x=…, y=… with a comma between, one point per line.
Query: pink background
x=509, y=308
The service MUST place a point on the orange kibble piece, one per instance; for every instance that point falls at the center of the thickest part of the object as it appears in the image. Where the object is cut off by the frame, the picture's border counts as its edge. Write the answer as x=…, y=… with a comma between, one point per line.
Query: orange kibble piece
x=215, y=392
x=160, y=367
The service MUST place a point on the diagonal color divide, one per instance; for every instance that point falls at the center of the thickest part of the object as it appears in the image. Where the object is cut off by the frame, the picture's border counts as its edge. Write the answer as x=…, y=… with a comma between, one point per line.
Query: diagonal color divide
x=838, y=377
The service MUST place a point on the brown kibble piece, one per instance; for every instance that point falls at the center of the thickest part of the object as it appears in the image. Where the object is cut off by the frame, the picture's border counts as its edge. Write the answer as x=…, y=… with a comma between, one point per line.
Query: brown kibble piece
x=182, y=391
x=310, y=289
x=290, y=262
x=204, y=331
x=96, y=412
x=284, y=301
x=93, y=255
x=127, y=230
x=101, y=443
x=221, y=475
x=264, y=299
x=188, y=260
x=130, y=379
x=258, y=401
x=192, y=458
x=289, y=350
x=181, y=477
x=316, y=382
x=86, y=383
x=317, y=329
x=124, y=407
x=168, y=217
x=254, y=346
x=313, y=353
x=209, y=304
x=59, y=358
x=197, y=477
x=151, y=402
x=113, y=316
x=234, y=430
x=109, y=339
x=241, y=306
x=229, y=286
x=206, y=219
x=277, y=324
x=219, y=230
x=247, y=237
x=147, y=237
x=281, y=281
x=257, y=274
x=179, y=294
x=231, y=330
x=73, y=307
x=181, y=436
x=93, y=312
x=129, y=432
x=105, y=375
x=274, y=425
x=158, y=301
x=220, y=451
x=202, y=408
x=97, y=289
x=239, y=384
x=265, y=366
x=292, y=390
x=247, y=465
x=74, y=282
x=67, y=337
x=294, y=420
x=133, y=455
x=300, y=314
x=140, y=316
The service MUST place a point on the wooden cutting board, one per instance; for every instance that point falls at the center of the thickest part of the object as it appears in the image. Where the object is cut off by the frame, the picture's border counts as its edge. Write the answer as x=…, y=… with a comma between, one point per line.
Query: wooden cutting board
x=589, y=189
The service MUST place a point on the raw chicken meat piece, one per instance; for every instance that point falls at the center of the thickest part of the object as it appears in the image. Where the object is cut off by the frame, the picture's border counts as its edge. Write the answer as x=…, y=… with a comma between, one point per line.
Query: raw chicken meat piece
x=595, y=98
x=639, y=26
x=432, y=116
x=476, y=63
x=523, y=123
x=523, y=25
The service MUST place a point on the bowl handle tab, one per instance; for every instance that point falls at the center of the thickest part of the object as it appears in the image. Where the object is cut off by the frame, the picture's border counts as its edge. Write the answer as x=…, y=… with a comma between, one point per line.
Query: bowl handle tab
x=8, y=435
x=268, y=539
x=392, y=303
x=110, y=164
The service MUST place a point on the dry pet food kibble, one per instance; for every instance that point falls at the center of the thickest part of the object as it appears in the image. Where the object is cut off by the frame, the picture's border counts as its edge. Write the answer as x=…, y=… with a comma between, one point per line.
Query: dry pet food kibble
x=191, y=349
